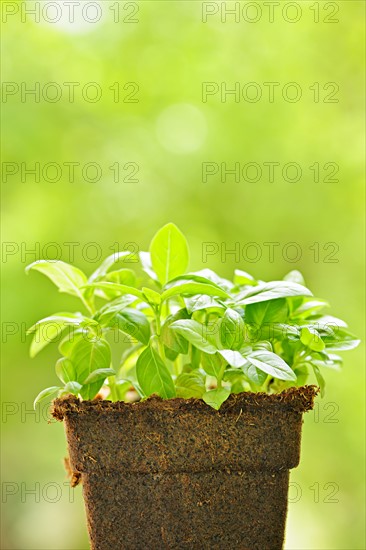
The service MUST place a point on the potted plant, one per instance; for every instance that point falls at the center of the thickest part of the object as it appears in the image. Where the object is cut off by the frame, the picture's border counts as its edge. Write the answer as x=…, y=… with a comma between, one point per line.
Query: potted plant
x=188, y=442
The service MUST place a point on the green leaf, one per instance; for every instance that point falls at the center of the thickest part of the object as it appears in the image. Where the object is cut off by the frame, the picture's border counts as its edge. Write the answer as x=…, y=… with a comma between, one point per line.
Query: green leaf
x=122, y=277
x=271, y=364
x=50, y=328
x=237, y=380
x=233, y=358
x=153, y=375
x=194, y=288
x=99, y=374
x=274, y=331
x=242, y=278
x=69, y=341
x=132, y=322
x=311, y=339
x=196, y=334
x=262, y=345
x=342, y=340
x=255, y=375
x=207, y=275
x=329, y=320
x=271, y=311
x=151, y=296
x=319, y=378
x=106, y=264
x=72, y=387
x=270, y=291
x=122, y=289
x=170, y=337
x=66, y=277
x=295, y=277
x=213, y=365
x=215, y=398
x=107, y=312
x=309, y=307
x=232, y=329
x=327, y=360
x=146, y=264
x=88, y=356
x=65, y=370
x=302, y=374
x=190, y=384
x=197, y=303
x=45, y=393
x=169, y=253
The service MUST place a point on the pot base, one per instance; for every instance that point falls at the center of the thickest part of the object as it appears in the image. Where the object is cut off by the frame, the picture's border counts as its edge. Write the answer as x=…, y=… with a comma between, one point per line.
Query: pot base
x=204, y=510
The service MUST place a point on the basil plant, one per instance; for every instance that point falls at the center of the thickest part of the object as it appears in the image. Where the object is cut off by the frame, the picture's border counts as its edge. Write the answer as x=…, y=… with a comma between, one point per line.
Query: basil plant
x=189, y=335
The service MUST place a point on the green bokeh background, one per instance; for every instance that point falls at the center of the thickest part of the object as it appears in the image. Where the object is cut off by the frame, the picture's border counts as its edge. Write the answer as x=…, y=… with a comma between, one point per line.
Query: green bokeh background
x=169, y=133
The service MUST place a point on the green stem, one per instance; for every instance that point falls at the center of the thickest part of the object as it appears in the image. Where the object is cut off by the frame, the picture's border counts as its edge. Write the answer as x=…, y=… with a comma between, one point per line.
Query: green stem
x=219, y=378
x=266, y=382
x=88, y=307
x=157, y=311
x=112, y=387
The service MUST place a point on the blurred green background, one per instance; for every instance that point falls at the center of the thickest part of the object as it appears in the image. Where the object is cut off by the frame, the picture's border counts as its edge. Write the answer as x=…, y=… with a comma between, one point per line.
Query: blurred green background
x=167, y=50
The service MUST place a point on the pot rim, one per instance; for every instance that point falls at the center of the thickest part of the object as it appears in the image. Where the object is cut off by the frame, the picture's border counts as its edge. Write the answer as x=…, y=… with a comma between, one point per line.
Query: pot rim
x=298, y=399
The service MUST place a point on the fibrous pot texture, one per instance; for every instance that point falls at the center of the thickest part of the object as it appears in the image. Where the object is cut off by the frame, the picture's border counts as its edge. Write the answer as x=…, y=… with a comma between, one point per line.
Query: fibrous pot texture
x=177, y=474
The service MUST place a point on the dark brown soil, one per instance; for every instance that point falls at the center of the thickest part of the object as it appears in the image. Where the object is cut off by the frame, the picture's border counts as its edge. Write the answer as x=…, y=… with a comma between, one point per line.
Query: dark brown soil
x=176, y=474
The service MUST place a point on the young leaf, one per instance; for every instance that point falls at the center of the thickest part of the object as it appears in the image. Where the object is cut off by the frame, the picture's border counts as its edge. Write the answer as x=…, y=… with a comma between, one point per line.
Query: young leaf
x=270, y=291
x=106, y=264
x=132, y=322
x=207, y=275
x=190, y=384
x=169, y=253
x=65, y=370
x=272, y=311
x=196, y=334
x=311, y=339
x=308, y=307
x=50, y=328
x=151, y=296
x=45, y=393
x=255, y=375
x=153, y=375
x=333, y=322
x=274, y=331
x=196, y=303
x=232, y=329
x=242, y=278
x=295, y=277
x=122, y=289
x=204, y=277
x=146, y=264
x=99, y=374
x=271, y=364
x=122, y=277
x=72, y=387
x=233, y=358
x=215, y=398
x=66, y=277
x=194, y=288
x=213, y=365
x=87, y=357
x=170, y=337
x=68, y=342
x=342, y=340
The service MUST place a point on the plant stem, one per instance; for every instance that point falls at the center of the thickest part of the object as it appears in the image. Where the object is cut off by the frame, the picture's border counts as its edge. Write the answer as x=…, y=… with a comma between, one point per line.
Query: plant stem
x=157, y=311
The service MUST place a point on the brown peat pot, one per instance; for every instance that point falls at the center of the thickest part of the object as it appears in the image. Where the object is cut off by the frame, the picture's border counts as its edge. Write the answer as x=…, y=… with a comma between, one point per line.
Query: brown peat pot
x=177, y=474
